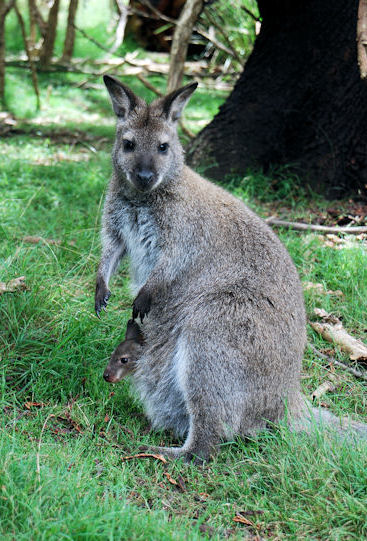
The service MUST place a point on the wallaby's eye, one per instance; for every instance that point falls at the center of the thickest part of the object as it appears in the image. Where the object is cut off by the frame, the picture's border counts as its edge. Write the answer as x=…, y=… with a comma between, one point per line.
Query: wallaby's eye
x=129, y=146
x=124, y=360
x=163, y=147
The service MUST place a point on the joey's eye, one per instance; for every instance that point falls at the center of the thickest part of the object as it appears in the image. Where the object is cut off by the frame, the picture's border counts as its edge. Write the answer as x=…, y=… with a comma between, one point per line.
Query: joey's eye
x=129, y=146
x=163, y=148
x=124, y=360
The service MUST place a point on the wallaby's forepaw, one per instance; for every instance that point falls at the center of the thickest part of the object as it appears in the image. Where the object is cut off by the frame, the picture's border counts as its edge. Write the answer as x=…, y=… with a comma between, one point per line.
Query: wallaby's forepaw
x=101, y=298
x=142, y=304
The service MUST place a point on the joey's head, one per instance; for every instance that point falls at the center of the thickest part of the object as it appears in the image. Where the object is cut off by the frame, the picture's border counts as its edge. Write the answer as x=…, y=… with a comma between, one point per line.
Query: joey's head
x=147, y=151
x=124, y=359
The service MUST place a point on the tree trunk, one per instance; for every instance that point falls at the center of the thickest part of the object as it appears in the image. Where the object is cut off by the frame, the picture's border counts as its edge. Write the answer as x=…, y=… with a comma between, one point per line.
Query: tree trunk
x=180, y=42
x=70, y=33
x=36, y=17
x=5, y=7
x=49, y=41
x=299, y=101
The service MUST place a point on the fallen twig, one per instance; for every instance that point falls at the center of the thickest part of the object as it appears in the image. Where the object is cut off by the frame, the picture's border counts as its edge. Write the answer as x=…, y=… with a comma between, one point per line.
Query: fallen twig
x=332, y=360
x=145, y=455
x=322, y=389
x=311, y=227
x=331, y=328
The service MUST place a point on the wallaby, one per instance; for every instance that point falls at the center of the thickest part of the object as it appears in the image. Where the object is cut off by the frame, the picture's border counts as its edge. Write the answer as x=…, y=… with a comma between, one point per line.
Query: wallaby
x=226, y=329
x=124, y=359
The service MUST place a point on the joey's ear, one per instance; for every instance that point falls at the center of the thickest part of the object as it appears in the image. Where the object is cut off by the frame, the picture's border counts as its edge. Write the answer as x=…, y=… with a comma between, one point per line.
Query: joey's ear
x=123, y=99
x=173, y=104
x=133, y=332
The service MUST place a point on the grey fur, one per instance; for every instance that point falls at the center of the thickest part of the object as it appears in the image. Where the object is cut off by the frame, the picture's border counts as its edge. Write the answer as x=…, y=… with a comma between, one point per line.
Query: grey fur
x=225, y=333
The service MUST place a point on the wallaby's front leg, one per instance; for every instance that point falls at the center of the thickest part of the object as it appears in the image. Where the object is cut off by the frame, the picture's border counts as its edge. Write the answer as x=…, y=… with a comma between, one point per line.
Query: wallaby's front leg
x=142, y=303
x=113, y=250
x=162, y=275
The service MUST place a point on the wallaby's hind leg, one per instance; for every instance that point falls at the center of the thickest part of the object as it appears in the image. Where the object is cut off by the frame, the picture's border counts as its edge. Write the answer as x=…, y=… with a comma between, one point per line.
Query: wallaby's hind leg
x=200, y=443
x=205, y=399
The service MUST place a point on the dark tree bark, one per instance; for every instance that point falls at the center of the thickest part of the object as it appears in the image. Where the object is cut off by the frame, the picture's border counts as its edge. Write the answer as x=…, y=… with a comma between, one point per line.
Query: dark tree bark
x=300, y=100
x=50, y=36
x=70, y=32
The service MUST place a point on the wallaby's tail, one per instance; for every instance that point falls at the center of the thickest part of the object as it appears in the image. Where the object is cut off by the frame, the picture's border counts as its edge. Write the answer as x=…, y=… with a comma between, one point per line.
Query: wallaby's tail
x=308, y=419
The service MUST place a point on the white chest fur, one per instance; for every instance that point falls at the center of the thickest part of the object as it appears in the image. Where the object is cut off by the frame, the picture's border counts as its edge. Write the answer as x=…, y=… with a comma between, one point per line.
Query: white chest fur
x=139, y=232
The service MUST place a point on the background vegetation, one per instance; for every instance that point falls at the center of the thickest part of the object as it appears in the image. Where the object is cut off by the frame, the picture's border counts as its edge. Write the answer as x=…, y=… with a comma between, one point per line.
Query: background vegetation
x=63, y=430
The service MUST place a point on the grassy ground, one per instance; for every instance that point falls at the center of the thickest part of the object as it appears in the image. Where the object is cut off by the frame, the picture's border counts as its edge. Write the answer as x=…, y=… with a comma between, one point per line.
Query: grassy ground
x=64, y=431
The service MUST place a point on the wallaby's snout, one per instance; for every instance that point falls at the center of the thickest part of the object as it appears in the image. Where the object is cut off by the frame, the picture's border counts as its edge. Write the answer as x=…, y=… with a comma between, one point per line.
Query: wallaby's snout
x=145, y=175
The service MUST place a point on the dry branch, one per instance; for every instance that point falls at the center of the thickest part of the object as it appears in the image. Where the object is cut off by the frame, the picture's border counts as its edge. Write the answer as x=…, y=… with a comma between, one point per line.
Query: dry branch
x=123, y=12
x=322, y=389
x=333, y=361
x=334, y=332
x=321, y=228
x=362, y=38
x=180, y=42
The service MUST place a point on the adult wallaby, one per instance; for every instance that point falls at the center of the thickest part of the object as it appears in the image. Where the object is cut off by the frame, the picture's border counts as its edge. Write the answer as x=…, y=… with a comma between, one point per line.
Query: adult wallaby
x=225, y=333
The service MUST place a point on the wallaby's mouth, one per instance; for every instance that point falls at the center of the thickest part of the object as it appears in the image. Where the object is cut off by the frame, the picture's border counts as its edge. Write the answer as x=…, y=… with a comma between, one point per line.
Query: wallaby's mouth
x=110, y=378
x=145, y=187
x=144, y=180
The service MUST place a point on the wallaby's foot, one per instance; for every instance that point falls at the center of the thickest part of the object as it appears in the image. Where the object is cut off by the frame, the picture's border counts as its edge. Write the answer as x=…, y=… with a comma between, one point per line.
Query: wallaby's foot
x=190, y=457
x=142, y=304
x=101, y=297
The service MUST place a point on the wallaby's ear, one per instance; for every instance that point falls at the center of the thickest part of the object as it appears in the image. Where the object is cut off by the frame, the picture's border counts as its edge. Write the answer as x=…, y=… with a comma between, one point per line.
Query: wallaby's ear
x=173, y=104
x=133, y=332
x=123, y=99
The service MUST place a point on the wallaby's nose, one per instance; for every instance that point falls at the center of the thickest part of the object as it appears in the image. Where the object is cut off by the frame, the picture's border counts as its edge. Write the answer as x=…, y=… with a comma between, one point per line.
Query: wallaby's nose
x=144, y=176
x=106, y=375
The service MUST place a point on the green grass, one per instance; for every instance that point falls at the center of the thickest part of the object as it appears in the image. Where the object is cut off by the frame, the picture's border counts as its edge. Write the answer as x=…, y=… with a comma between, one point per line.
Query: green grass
x=61, y=473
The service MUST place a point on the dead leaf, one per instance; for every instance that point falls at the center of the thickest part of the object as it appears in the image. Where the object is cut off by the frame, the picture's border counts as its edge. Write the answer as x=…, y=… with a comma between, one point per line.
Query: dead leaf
x=170, y=479
x=106, y=418
x=180, y=483
x=30, y=405
x=145, y=455
x=13, y=285
x=244, y=520
x=333, y=331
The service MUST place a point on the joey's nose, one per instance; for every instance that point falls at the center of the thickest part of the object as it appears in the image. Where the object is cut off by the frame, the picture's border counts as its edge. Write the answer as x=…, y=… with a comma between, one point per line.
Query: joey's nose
x=106, y=375
x=144, y=176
